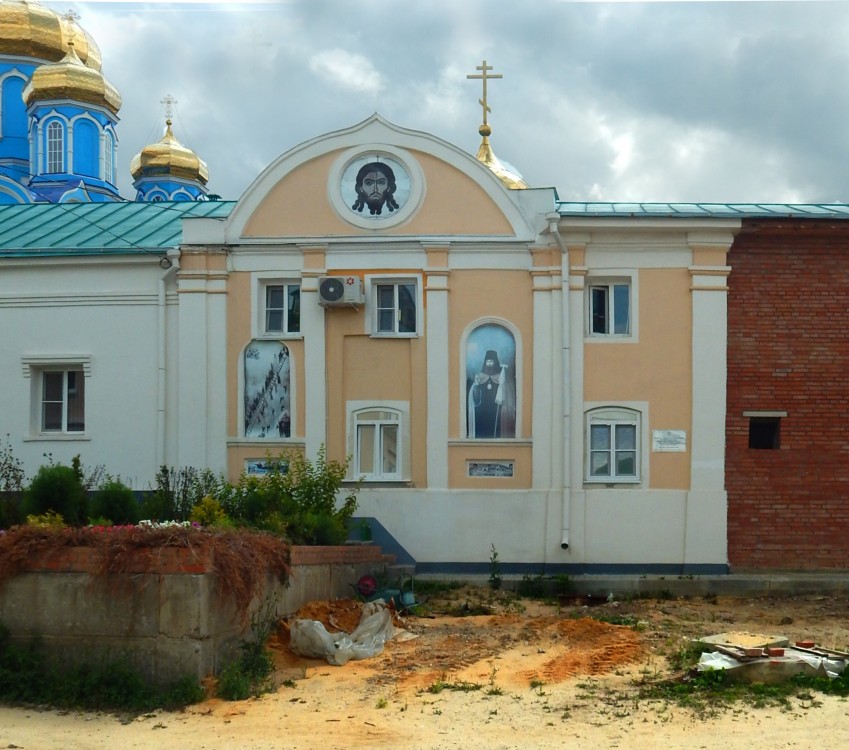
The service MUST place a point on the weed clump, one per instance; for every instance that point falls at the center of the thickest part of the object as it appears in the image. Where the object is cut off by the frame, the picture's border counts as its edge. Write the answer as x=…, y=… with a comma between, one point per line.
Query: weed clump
x=27, y=676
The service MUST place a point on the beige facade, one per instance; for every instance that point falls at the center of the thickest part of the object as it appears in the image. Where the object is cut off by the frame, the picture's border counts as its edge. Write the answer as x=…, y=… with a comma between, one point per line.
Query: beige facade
x=499, y=374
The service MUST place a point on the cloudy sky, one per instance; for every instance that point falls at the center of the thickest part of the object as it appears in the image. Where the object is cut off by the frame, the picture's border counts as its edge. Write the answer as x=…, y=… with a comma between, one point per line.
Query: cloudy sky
x=626, y=101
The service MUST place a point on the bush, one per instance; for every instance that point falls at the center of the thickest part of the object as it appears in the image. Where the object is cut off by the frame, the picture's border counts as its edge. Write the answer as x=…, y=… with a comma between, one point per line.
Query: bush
x=11, y=487
x=208, y=512
x=298, y=498
x=117, y=503
x=178, y=491
x=57, y=488
x=251, y=675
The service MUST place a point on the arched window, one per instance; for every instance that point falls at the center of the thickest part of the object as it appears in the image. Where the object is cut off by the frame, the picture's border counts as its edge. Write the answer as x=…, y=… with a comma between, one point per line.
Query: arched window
x=613, y=445
x=55, y=147
x=378, y=444
x=267, y=390
x=490, y=383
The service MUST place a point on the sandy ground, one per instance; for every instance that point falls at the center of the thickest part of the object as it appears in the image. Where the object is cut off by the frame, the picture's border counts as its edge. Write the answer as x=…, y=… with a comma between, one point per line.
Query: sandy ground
x=546, y=677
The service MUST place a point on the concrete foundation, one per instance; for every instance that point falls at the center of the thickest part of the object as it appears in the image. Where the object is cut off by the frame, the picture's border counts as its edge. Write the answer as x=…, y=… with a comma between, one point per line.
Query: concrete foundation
x=168, y=617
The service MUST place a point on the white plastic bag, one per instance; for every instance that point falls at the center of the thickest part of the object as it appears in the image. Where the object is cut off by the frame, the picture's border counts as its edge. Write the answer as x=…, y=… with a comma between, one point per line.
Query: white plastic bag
x=310, y=638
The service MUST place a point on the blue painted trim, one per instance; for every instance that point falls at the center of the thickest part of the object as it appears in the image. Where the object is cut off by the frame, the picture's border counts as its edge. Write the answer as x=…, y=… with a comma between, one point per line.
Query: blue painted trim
x=382, y=538
x=573, y=569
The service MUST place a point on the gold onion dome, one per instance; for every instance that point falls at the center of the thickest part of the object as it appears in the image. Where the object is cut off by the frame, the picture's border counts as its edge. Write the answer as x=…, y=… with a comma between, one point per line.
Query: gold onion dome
x=507, y=175
x=169, y=157
x=71, y=79
x=28, y=29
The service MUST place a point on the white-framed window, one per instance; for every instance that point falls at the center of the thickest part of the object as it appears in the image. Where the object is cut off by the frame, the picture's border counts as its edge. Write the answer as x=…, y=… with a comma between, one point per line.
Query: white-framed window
x=395, y=307
x=609, y=307
x=379, y=440
x=614, y=445
x=55, y=147
x=281, y=307
x=378, y=433
x=62, y=396
x=57, y=394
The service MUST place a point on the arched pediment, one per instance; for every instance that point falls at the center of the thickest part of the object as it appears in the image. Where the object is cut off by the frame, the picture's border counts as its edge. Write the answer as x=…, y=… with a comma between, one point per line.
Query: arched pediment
x=429, y=189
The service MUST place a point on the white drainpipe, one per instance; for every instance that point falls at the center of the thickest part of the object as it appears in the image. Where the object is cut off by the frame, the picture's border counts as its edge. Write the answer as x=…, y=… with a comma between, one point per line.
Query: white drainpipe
x=566, y=437
x=171, y=264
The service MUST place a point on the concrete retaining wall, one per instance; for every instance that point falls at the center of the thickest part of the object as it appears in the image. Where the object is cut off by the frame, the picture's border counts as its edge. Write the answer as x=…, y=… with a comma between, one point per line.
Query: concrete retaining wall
x=167, y=615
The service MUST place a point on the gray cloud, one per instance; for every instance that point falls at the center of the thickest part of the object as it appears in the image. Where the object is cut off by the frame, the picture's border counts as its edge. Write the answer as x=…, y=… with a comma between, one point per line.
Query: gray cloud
x=710, y=101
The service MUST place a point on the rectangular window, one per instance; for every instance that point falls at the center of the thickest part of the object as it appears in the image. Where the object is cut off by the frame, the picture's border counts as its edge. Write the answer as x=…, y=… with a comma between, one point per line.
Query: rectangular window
x=765, y=433
x=613, y=442
x=395, y=308
x=63, y=401
x=283, y=308
x=377, y=450
x=610, y=309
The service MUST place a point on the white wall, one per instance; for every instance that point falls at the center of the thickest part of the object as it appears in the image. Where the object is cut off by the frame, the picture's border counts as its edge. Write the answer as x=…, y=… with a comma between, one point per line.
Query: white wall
x=106, y=310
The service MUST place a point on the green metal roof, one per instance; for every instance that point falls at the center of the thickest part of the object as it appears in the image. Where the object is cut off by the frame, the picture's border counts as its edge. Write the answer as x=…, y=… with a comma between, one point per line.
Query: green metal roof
x=98, y=228
x=706, y=210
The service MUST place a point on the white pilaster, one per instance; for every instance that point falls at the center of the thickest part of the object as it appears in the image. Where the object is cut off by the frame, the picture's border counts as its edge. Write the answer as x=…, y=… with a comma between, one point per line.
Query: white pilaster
x=315, y=364
x=437, y=370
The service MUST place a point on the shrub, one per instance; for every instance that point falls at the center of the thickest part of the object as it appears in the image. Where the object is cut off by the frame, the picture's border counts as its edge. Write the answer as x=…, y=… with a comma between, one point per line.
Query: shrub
x=208, y=512
x=250, y=675
x=178, y=491
x=298, y=498
x=57, y=488
x=117, y=503
x=11, y=487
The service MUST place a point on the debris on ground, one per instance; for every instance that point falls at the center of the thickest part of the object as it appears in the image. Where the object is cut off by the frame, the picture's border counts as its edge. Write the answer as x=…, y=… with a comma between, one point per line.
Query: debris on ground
x=310, y=638
x=751, y=657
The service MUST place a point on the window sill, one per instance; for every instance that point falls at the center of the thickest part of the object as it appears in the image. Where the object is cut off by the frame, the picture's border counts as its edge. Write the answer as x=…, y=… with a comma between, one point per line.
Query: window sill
x=467, y=442
x=279, y=336
x=266, y=441
x=610, y=338
x=379, y=483
x=394, y=335
x=59, y=437
x=612, y=484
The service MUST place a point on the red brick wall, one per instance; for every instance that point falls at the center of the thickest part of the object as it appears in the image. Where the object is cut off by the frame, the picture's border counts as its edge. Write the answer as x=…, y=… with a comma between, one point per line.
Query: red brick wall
x=788, y=350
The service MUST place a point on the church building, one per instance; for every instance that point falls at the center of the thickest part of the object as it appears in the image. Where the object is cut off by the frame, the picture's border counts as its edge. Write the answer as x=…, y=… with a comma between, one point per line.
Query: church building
x=506, y=371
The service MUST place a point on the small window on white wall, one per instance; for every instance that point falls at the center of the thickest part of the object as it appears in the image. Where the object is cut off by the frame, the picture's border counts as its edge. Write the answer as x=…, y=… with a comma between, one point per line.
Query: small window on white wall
x=613, y=445
x=63, y=401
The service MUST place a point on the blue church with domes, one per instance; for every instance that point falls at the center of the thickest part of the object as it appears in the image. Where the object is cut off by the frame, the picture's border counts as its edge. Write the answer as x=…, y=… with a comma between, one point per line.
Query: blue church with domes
x=59, y=120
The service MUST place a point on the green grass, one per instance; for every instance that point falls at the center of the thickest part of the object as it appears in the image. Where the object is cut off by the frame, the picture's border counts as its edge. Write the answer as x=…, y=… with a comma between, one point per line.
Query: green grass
x=28, y=677
x=461, y=686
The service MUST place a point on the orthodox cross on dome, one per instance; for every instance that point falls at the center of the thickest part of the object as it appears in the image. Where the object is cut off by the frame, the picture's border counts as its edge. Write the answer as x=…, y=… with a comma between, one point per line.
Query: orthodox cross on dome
x=71, y=18
x=482, y=76
x=168, y=101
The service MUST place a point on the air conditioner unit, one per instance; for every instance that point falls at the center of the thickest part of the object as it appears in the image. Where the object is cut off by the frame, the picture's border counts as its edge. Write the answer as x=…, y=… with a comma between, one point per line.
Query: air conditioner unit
x=335, y=291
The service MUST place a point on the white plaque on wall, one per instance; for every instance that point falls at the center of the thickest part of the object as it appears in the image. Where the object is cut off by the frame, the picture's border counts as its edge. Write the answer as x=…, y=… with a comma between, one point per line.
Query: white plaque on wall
x=669, y=441
x=490, y=469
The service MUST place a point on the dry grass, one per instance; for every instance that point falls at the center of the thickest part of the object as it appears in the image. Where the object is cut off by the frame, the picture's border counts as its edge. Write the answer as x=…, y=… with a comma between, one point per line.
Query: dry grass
x=240, y=559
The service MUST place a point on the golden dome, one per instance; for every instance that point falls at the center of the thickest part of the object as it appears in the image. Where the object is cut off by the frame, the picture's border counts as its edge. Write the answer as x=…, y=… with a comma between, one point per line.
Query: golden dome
x=169, y=157
x=70, y=79
x=507, y=175
x=28, y=29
